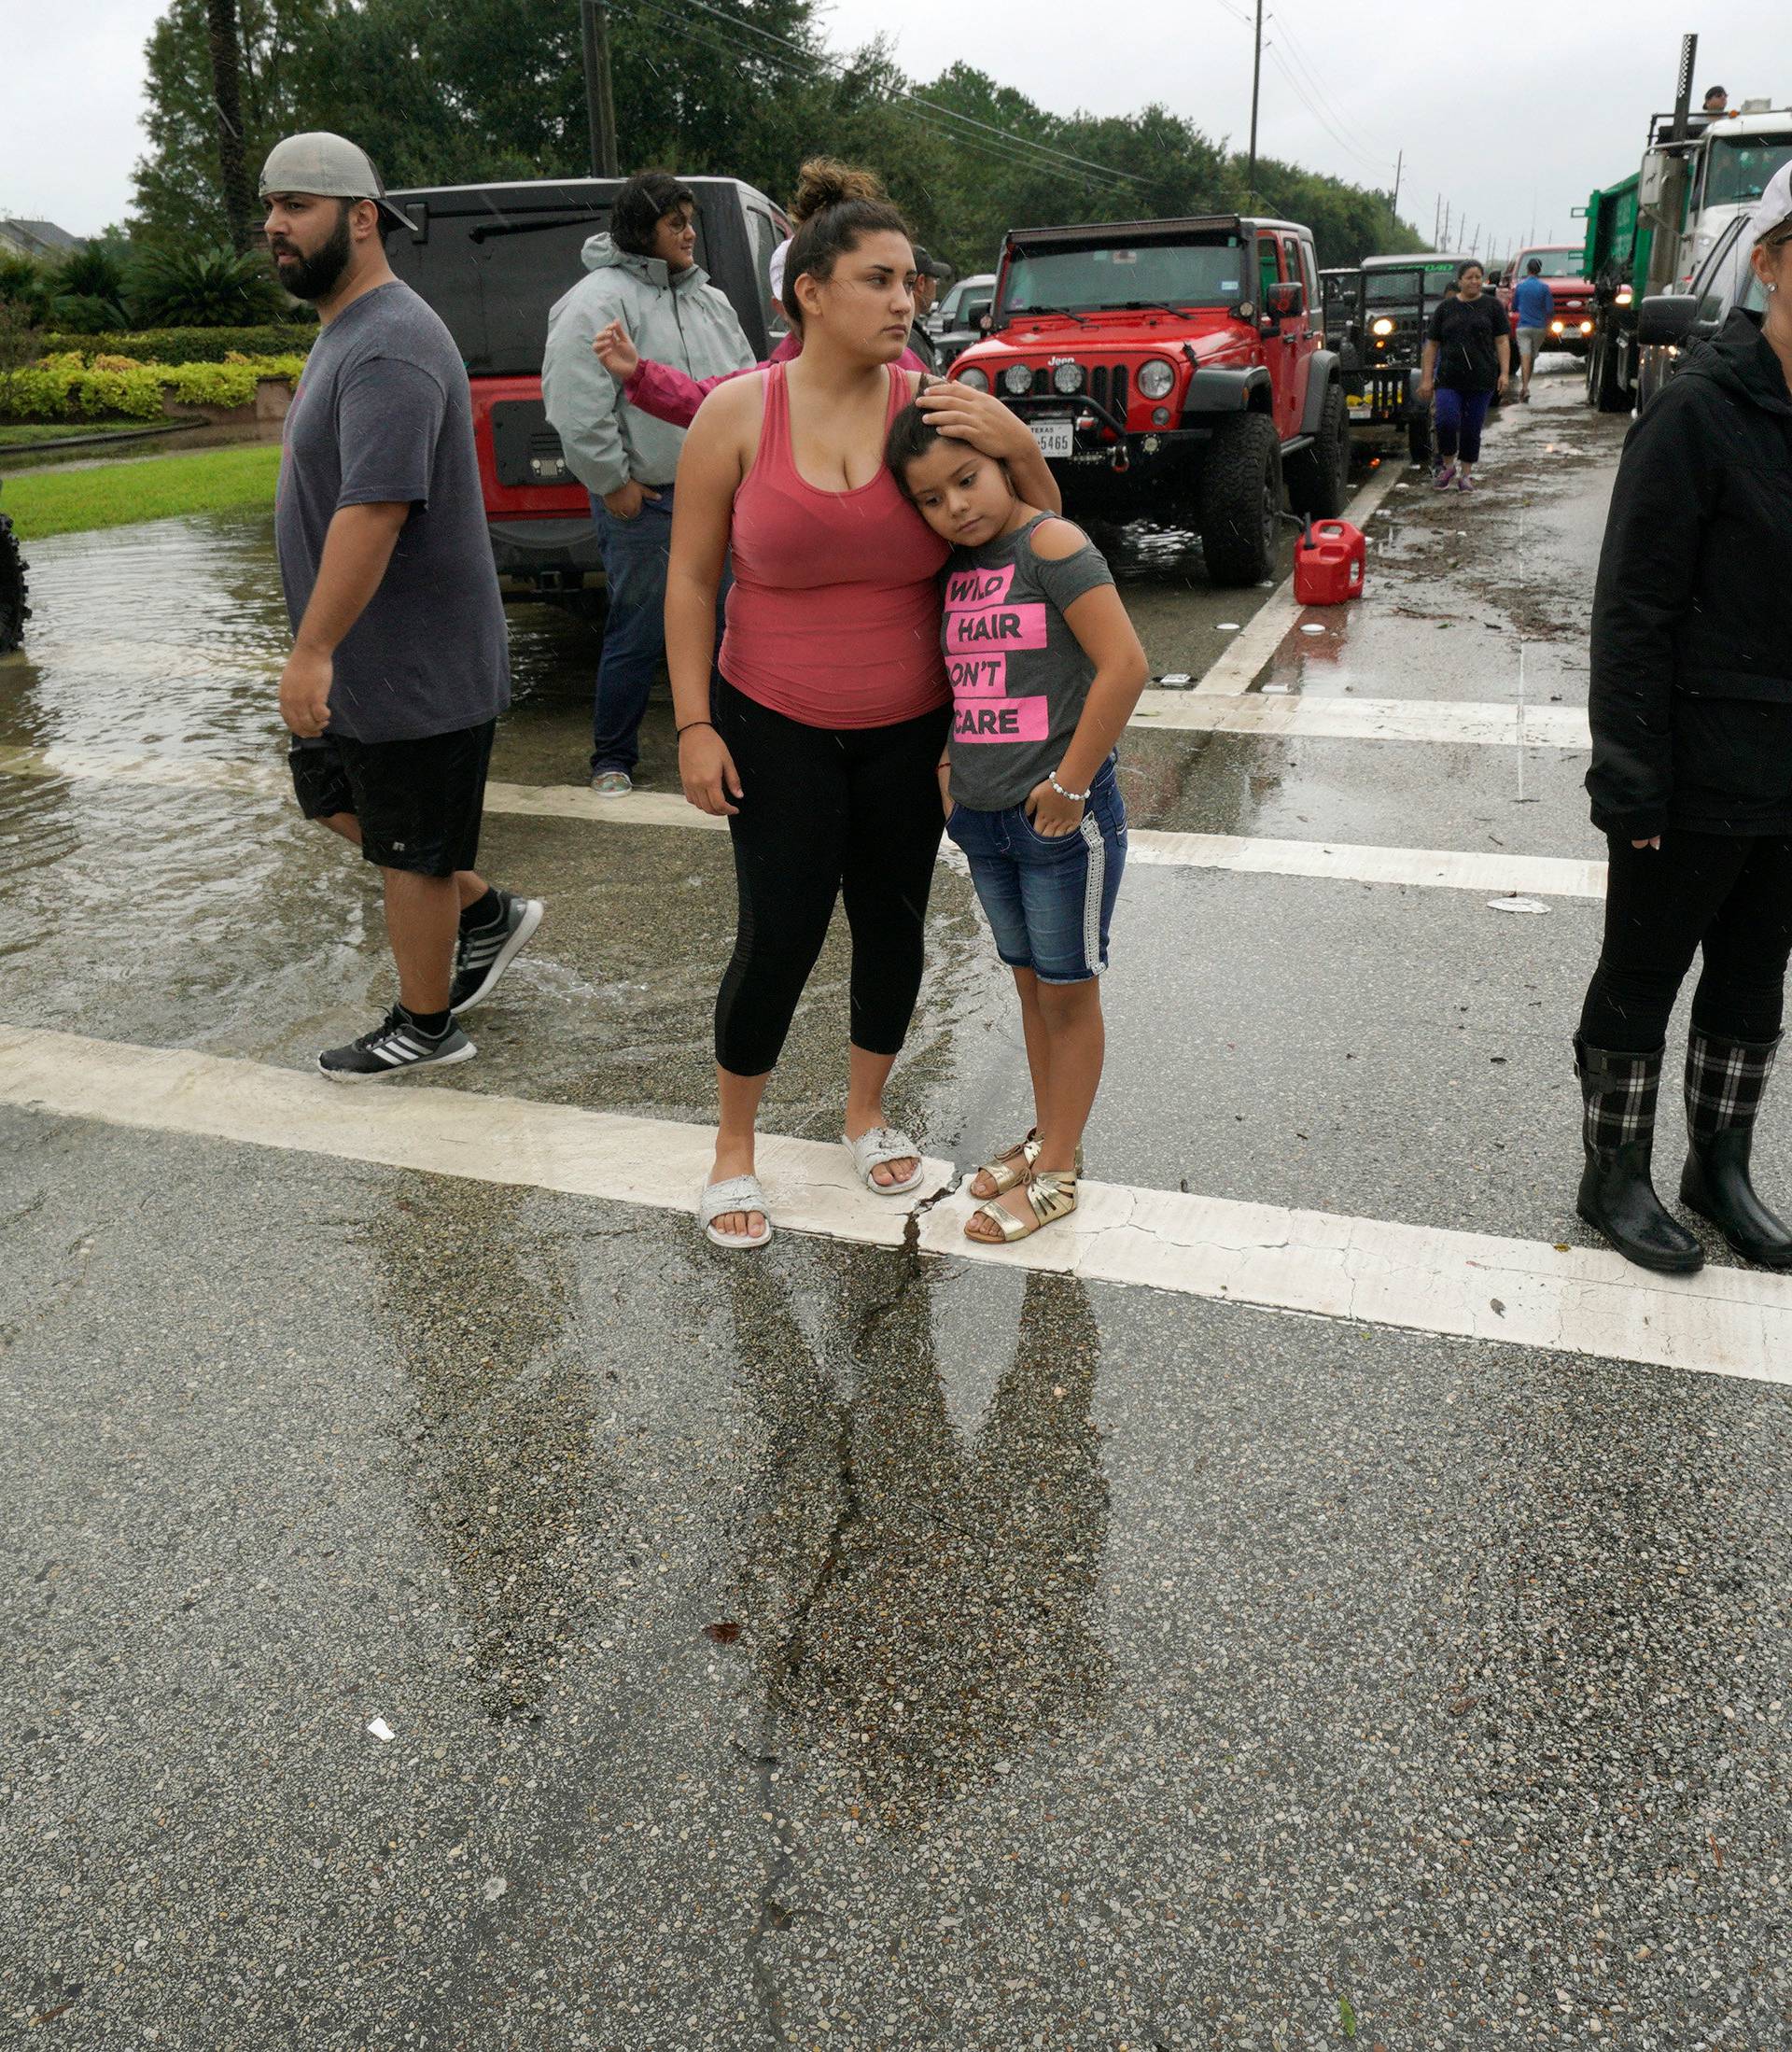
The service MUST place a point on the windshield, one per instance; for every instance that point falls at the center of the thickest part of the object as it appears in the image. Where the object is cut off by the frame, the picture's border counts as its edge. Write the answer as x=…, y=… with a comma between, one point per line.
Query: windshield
x=1396, y=288
x=1167, y=274
x=1556, y=263
x=1739, y=169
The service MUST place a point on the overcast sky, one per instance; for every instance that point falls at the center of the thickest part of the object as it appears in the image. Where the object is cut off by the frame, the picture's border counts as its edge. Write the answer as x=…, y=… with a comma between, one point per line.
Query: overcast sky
x=1511, y=114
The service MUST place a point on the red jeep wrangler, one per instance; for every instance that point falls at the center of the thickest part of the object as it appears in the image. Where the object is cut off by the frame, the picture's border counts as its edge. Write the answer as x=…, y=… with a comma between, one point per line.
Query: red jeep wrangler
x=1175, y=366
x=1570, y=325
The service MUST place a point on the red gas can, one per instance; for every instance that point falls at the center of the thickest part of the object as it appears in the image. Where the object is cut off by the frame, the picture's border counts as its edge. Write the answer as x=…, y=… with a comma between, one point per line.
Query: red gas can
x=1329, y=560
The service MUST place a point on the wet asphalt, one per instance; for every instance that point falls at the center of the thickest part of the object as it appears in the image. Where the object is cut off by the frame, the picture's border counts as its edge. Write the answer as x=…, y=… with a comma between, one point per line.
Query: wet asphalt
x=846, y=1648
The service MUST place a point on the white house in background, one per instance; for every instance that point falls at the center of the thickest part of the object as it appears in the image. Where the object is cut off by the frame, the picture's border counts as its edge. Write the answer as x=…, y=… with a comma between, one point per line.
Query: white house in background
x=21, y=238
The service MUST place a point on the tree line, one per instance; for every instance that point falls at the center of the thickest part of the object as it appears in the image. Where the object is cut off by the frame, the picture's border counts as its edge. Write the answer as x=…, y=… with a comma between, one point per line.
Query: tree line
x=486, y=90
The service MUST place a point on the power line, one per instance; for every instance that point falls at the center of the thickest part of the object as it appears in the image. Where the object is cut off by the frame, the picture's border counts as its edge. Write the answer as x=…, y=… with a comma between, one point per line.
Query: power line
x=1014, y=150
x=813, y=57
x=1285, y=37
x=1300, y=94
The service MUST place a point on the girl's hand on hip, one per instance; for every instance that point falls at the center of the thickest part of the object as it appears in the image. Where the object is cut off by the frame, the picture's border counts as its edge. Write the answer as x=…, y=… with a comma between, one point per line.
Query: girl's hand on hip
x=613, y=349
x=979, y=419
x=1654, y=841
x=707, y=771
x=1051, y=814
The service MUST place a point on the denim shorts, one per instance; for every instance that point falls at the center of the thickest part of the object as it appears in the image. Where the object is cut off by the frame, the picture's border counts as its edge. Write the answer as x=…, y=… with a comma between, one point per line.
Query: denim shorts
x=1048, y=898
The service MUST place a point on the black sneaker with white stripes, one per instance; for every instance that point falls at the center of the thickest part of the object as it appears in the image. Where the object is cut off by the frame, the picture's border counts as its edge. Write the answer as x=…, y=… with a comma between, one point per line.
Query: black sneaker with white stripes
x=486, y=951
x=394, y=1045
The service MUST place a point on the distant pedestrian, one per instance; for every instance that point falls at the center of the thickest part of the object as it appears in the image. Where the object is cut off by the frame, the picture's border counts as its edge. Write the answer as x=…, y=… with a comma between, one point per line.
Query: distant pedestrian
x=819, y=745
x=1533, y=304
x=643, y=275
x=1468, y=359
x=1691, y=777
x=401, y=662
x=1029, y=785
x=1717, y=100
x=929, y=271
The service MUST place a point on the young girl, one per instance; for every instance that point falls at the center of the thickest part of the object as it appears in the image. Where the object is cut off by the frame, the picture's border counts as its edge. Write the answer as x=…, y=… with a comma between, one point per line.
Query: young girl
x=1045, y=669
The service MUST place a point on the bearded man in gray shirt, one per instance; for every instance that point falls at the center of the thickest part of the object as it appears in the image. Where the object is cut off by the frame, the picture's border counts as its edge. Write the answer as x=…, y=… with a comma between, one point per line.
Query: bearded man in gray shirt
x=400, y=664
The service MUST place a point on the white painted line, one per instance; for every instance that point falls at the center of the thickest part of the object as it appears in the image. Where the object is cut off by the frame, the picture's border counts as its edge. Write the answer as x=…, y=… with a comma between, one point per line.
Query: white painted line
x=1725, y=1321
x=1548, y=876
x=1343, y=863
x=1477, y=723
x=1244, y=660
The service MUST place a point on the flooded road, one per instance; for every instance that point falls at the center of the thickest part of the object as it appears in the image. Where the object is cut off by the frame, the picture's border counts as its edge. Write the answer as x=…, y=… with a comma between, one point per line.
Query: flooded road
x=1324, y=1601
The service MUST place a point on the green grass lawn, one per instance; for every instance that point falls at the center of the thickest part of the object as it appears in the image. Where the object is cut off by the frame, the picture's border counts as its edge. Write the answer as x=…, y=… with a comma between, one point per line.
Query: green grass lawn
x=114, y=494
x=27, y=433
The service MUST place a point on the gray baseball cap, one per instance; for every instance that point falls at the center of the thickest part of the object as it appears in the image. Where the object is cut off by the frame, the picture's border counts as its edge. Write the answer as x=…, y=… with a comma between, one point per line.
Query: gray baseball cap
x=331, y=166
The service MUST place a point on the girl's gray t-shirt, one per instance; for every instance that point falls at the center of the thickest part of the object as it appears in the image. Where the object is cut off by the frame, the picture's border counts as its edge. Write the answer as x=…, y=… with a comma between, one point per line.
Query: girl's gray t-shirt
x=384, y=413
x=1019, y=677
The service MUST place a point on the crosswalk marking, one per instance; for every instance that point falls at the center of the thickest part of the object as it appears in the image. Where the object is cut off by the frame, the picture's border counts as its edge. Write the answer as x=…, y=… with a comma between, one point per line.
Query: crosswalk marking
x=1491, y=871
x=1476, y=722
x=1727, y=1321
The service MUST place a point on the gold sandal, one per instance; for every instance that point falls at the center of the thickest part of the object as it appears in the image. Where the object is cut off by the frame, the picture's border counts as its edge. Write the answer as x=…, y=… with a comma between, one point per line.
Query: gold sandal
x=1050, y=1197
x=1013, y=1165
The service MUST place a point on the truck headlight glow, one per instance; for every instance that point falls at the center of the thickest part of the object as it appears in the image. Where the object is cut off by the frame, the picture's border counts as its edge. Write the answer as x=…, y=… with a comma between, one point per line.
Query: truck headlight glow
x=1382, y=326
x=1586, y=328
x=1555, y=326
x=1624, y=295
x=1157, y=378
x=1068, y=377
x=974, y=378
x=1017, y=378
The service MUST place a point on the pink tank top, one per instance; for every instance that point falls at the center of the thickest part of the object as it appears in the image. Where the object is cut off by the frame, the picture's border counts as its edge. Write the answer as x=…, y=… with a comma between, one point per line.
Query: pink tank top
x=833, y=617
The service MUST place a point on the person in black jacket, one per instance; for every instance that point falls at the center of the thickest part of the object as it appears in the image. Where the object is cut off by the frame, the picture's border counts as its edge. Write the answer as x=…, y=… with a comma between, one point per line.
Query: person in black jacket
x=1691, y=778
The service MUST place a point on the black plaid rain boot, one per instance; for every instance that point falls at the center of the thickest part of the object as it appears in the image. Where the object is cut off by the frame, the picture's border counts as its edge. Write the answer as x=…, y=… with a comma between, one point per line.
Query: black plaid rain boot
x=1617, y=1197
x=1725, y=1080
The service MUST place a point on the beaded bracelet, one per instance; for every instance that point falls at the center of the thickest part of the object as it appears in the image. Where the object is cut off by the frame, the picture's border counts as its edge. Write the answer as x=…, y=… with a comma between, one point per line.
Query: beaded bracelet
x=1076, y=797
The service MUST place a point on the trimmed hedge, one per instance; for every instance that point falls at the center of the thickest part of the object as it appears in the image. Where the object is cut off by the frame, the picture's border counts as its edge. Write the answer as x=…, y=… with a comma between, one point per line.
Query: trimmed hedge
x=63, y=388
x=185, y=344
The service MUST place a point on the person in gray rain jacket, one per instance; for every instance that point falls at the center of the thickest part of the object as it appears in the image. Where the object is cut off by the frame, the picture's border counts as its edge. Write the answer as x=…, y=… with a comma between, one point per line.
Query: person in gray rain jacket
x=643, y=273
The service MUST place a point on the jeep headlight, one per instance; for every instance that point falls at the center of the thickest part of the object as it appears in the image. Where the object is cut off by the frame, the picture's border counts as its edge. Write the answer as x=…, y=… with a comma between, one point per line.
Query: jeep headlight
x=1017, y=378
x=1066, y=378
x=1382, y=326
x=1157, y=378
x=975, y=379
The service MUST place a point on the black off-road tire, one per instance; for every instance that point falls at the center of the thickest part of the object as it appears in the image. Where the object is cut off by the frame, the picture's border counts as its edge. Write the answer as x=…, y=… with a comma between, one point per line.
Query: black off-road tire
x=1604, y=387
x=1420, y=446
x=1318, y=477
x=1240, y=503
x=14, y=611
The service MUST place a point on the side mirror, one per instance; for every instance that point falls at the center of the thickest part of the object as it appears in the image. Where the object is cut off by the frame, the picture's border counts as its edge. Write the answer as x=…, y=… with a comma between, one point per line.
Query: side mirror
x=1666, y=319
x=1287, y=302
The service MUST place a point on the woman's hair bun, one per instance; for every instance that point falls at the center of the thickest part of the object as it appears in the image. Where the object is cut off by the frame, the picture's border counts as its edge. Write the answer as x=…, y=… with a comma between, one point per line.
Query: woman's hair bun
x=825, y=181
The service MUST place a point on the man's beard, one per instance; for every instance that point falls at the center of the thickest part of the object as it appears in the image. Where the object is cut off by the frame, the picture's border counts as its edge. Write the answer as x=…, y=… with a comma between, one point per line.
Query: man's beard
x=314, y=277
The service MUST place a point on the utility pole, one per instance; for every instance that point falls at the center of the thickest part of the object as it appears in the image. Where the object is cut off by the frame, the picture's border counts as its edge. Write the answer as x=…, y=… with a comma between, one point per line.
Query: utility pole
x=1437, y=222
x=1256, y=82
x=600, y=104
x=1399, y=166
x=1445, y=243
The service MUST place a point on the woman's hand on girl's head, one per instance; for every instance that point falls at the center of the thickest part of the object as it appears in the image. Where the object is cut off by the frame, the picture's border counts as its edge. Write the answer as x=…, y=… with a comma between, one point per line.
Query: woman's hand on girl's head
x=979, y=419
x=613, y=349
x=707, y=771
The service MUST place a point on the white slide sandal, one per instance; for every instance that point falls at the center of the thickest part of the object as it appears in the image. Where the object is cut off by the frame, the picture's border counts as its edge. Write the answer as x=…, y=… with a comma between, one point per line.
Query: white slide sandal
x=733, y=1193
x=883, y=1143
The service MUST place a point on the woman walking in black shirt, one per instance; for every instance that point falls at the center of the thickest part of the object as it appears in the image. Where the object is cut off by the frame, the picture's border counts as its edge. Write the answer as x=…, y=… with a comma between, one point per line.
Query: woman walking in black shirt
x=1691, y=777
x=1468, y=356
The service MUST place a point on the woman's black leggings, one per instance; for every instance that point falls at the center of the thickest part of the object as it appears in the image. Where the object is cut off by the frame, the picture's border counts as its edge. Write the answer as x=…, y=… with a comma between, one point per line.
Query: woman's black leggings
x=826, y=812
x=1729, y=895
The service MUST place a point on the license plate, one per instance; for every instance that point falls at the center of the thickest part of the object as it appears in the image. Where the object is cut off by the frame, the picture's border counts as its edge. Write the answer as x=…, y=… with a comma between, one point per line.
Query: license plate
x=1362, y=410
x=1054, y=437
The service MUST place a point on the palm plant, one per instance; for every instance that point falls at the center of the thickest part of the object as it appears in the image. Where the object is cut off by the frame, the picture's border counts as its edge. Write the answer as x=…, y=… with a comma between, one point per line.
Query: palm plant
x=214, y=288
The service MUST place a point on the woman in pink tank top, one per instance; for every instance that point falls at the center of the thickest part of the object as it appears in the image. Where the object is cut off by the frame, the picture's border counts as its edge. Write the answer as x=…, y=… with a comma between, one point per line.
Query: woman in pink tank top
x=822, y=743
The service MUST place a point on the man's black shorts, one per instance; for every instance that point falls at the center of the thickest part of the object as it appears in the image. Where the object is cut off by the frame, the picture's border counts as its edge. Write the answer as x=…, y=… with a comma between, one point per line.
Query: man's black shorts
x=418, y=802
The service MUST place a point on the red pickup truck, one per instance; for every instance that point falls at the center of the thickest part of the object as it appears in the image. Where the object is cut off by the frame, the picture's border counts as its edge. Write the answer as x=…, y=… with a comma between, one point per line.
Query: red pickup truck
x=1570, y=325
